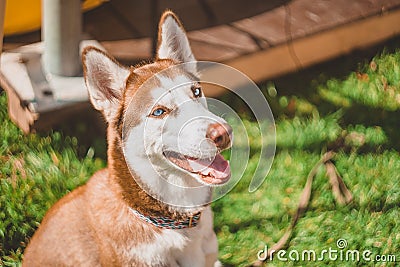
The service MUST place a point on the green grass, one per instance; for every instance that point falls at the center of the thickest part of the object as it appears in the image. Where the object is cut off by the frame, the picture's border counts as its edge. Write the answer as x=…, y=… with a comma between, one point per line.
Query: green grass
x=357, y=116
x=246, y=222
x=375, y=86
x=35, y=172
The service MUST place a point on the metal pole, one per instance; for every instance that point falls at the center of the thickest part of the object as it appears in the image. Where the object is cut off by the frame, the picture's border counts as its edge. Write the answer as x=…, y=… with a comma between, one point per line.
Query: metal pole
x=2, y=15
x=61, y=32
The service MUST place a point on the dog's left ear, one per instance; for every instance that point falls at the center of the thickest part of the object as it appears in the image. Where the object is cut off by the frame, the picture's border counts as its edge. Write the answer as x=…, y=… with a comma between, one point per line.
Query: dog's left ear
x=173, y=42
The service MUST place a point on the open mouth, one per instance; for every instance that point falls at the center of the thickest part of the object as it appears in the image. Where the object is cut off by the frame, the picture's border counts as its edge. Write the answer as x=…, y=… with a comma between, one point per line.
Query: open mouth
x=212, y=171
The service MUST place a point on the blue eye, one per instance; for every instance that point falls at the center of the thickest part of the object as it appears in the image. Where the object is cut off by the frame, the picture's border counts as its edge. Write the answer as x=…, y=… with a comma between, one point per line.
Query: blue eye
x=158, y=112
x=196, y=91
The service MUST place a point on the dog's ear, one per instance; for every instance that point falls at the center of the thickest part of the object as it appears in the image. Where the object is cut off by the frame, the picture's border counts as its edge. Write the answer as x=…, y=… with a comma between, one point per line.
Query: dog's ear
x=105, y=79
x=173, y=42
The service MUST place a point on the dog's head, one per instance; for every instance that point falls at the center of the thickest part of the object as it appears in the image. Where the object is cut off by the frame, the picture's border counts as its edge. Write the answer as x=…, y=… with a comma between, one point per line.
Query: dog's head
x=160, y=113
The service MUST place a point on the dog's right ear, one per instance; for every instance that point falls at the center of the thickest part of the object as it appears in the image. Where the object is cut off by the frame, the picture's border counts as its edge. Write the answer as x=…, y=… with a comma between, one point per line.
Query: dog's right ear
x=105, y=79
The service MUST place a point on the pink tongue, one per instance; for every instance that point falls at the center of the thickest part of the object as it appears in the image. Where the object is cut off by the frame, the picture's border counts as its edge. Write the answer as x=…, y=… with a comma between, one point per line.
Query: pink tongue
x=219, y=168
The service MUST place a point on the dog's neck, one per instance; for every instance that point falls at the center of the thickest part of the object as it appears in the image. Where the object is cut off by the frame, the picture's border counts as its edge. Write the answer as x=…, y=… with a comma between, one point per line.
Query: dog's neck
x=132, y=193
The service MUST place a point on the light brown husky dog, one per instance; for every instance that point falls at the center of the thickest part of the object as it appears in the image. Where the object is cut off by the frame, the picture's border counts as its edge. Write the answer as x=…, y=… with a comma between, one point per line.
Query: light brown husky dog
x=123, y=216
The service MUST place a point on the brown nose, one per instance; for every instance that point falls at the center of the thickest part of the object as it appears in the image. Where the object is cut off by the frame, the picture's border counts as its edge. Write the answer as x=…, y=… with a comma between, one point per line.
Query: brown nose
x=220, y=134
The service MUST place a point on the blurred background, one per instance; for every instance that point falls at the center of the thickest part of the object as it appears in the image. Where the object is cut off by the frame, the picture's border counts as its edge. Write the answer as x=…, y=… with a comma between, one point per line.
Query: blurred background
x=329, y=69
x=266, y=40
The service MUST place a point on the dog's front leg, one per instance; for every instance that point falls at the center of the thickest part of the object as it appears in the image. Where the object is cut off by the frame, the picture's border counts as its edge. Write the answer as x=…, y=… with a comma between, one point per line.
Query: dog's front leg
x=209, y=242
x=194, y=257
x=212, y=260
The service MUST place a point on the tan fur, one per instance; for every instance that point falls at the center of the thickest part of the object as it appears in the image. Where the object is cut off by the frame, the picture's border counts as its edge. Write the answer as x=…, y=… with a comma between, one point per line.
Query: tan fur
x=100, y=205
x=76, y=230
